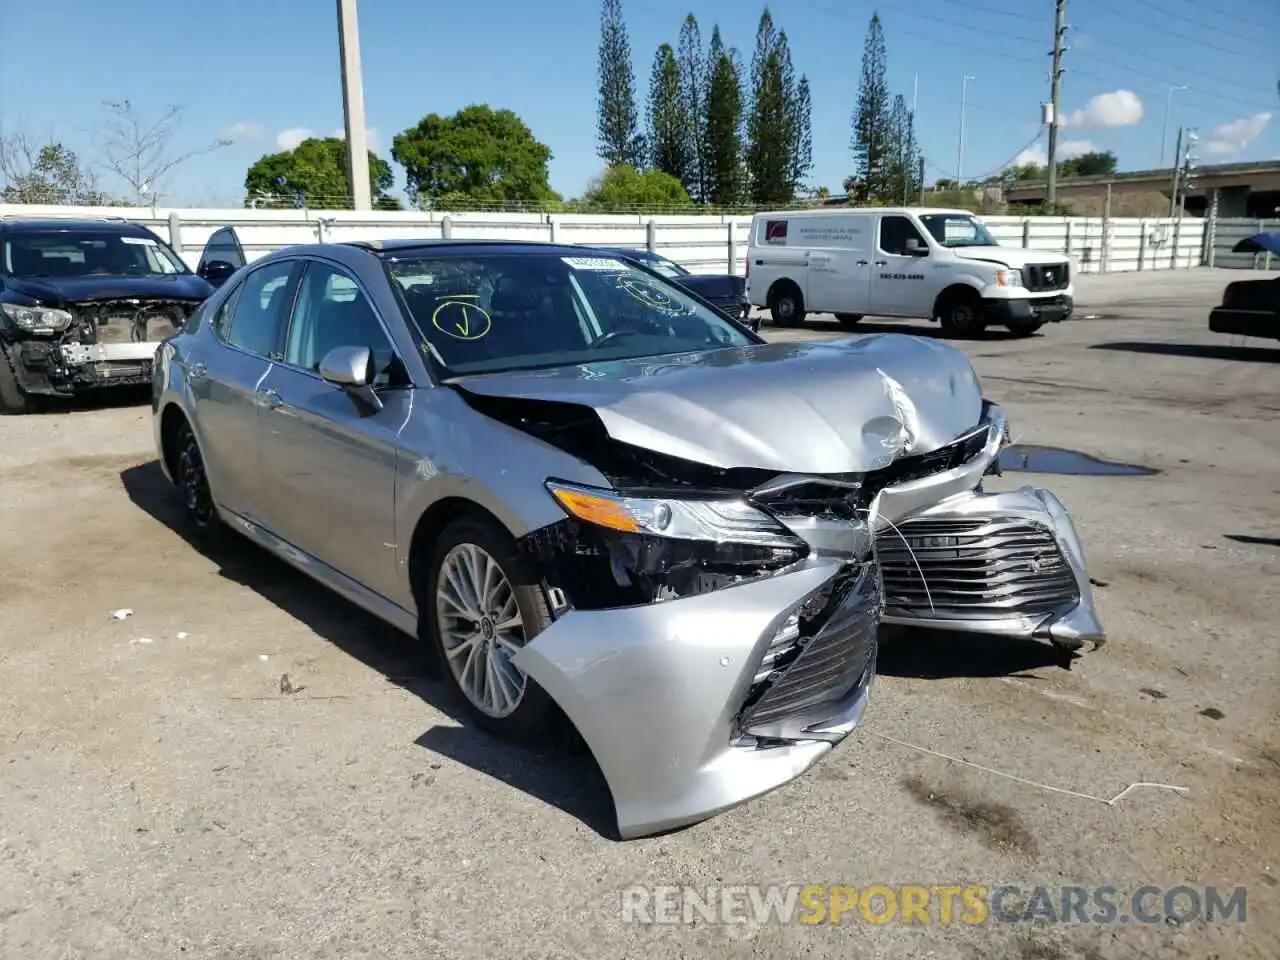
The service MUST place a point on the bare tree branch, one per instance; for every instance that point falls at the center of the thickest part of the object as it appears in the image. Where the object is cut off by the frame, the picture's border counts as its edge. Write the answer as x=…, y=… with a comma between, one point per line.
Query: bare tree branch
x=140, y=152
x=48, y=172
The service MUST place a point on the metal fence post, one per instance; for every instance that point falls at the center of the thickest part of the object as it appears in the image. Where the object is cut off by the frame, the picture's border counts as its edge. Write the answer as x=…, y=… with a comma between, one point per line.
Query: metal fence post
x=446, y=228
x=733, y=249
x=651, y=235
x=1106, y=231
x=1067, y=251
x=1026, y=232
x=551, y=223
x=1211, y=230
x=175, y=232
x=1142, y=244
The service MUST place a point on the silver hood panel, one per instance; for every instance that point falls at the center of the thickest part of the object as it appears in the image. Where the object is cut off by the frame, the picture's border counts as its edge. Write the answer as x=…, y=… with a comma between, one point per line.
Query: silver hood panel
x=843, y=406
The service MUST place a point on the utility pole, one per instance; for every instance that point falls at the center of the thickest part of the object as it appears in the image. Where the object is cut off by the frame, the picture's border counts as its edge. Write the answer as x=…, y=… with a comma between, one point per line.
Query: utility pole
x=964, y=109
x=1055, y=90
x=353, y=104
x=1164, y=128
x=1177, y=175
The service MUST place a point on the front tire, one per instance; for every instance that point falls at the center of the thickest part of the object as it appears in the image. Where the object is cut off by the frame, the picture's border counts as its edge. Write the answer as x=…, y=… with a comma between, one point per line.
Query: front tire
x=481, y=604
x=849, y=320
x=13, y=399
x=193, y=483
x=961, y=315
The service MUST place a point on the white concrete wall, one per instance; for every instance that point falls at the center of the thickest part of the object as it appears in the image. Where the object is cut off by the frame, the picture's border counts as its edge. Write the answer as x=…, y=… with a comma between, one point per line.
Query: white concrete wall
x=703, y=244
x=1227, y=233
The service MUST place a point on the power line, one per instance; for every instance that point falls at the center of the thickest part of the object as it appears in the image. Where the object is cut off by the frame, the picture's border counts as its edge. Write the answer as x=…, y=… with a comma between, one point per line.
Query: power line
x=1222, y=14
x=1159, y=28
x=1200, y=24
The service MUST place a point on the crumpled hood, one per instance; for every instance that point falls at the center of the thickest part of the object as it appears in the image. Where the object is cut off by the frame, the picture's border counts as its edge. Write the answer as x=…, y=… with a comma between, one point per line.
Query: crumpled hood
x=58, y=291
x=842, y=406
x=1015, y=257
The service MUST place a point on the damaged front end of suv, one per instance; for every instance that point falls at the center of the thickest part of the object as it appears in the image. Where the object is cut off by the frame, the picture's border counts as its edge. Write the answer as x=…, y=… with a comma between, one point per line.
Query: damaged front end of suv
x=717, y=595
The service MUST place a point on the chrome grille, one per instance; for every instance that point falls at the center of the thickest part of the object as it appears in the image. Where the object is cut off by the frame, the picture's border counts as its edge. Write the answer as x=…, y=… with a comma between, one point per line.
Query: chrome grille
x=823, y=660
x=1039, y=277
x=973, y=568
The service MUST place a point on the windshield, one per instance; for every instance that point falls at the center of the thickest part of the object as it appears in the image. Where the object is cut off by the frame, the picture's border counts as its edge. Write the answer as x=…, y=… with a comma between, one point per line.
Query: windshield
x=957, y=230
x=86, y=253
x=482, y=313
x=662, y=265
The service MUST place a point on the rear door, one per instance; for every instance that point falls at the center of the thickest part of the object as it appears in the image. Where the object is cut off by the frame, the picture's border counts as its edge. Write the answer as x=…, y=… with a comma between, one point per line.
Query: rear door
x=839, y=263
x=225, y=374
x=773, y=255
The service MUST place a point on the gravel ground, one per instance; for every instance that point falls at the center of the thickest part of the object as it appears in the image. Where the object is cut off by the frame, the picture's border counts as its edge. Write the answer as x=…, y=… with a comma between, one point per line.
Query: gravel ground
x=162, y=794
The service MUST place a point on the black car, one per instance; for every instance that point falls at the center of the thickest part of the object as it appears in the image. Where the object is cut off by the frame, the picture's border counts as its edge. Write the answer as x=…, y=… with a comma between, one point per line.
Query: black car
x=1251, y=308
x=84, y=304
x=726, y=292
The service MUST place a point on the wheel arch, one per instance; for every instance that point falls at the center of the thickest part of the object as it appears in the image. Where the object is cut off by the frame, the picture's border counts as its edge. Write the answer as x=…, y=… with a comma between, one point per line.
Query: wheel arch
x=172, y=419
x=783, y=283
x=958, y=289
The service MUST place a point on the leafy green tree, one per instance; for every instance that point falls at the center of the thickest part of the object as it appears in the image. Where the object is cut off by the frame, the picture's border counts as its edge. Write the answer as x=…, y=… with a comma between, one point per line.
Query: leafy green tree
x=618, y=120
x=478, y=154
x=314, y=174
x=1096, y=163
x=722, y=146
x=45, y=173
x=872, y=126
x=668, y=120
x=623, y=188
x=774, y=122
x=693, y=93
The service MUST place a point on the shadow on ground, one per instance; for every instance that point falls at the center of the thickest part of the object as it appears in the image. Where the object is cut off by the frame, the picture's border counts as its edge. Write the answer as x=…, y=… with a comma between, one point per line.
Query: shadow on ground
x=1206, y=351
x=1257, y=541
x=917, y=328
x=108, y=398
x=564, y=777
x=941, y=654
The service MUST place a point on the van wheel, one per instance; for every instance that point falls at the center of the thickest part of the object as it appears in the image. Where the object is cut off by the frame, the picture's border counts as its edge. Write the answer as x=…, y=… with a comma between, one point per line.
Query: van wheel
x=961, y=314
x=786, y=305
x=848, y=320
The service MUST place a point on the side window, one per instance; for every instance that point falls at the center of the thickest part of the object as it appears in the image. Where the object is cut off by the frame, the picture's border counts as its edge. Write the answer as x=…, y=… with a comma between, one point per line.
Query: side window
x=333, y=311
x=262, y=308
x=222, y=318
x=223, y=246
x=894, y=234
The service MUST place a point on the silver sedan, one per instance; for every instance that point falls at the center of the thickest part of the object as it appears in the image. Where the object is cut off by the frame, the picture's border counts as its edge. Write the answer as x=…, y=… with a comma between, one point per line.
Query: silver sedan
x=599, y=499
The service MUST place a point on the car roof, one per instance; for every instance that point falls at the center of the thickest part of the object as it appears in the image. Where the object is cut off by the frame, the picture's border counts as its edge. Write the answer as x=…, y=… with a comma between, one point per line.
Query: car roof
x=102, y=225
x=389, y=248
x=845, y=211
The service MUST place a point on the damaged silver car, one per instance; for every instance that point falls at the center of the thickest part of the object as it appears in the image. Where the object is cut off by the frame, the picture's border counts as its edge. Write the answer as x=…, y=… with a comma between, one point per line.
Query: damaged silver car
x=601, y=500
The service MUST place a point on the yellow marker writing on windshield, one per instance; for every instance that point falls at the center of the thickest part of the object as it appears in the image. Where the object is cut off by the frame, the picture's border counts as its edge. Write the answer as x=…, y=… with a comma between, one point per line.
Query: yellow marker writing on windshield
x=461, y=320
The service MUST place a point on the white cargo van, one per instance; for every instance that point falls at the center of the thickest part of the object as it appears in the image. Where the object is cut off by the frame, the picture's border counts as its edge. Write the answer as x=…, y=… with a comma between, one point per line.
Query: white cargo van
x=936, y=264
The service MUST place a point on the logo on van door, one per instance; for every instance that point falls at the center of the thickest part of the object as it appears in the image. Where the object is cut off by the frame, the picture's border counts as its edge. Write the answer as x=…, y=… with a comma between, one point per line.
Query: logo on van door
x=775, y=232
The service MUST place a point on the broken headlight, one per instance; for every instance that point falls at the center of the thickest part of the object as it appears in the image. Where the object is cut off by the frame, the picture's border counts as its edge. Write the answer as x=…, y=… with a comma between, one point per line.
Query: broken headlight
x=36, y=319
x=716, y=521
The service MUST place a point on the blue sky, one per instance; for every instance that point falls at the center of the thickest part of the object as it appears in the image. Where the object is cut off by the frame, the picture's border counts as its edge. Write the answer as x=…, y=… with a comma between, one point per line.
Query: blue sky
x=261, y=68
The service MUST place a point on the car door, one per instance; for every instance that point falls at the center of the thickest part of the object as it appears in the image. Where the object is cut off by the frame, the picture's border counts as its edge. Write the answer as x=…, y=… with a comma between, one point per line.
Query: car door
x=839, y=263
x=330, y=463
x=222, y=256
x=903, y=282
x=224, y=373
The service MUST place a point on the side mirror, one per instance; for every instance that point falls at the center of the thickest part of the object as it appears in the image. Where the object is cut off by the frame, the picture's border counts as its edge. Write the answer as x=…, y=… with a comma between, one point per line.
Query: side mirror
x=217, y=272
x=351, y=369
x=915, y=248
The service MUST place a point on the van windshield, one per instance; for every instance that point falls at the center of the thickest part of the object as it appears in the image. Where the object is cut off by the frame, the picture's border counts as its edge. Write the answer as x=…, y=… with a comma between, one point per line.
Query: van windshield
x=957, y=230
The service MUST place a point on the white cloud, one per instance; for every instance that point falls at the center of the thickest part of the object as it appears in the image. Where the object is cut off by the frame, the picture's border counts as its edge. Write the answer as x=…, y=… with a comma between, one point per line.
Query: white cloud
x=1119, y=108
x=242, y=130
x=370, y=135
x=1066, y=150
x=1235, y=136
x=288, y=139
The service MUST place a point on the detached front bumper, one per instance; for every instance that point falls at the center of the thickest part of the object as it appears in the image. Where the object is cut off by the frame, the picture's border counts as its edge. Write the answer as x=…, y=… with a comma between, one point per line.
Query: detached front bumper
x=695, y=705
x=1005, y=563
x=1025, y=312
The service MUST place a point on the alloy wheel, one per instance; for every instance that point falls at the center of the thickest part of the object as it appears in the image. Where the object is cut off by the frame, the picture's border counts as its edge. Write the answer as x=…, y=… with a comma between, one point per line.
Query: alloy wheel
x=194, y=483
x=481, y=629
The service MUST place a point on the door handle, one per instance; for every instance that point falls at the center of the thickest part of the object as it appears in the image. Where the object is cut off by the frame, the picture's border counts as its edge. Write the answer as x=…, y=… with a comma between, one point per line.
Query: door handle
x=882, y=263
x=196, y=371
x=861, y=263
x=269, y=398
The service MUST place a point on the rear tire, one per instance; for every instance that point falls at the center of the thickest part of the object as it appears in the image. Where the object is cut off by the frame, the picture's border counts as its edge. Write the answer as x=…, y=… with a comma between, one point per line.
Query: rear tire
x=849, y=320
x=193, y=483
x=961, y=314
x=786, y=305
x=13, y=399
x=480, y=603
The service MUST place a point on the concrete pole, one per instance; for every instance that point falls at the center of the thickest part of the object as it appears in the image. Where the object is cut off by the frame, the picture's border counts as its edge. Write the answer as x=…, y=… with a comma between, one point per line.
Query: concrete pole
x=1164, y=129
x=1055, y=93
x=964, y=109
x=353, y=104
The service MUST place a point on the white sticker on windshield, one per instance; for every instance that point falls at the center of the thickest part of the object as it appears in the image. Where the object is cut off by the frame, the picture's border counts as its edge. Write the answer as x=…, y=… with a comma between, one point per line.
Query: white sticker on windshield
x=594, y=263
x=139, y=241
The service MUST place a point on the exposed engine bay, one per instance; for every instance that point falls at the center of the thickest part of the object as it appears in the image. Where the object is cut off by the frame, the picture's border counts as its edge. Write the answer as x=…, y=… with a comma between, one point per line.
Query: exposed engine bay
x=101, y=343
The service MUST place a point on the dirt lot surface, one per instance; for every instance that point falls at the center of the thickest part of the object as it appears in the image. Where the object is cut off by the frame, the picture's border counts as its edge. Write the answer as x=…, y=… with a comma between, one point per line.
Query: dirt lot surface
x=162, y=795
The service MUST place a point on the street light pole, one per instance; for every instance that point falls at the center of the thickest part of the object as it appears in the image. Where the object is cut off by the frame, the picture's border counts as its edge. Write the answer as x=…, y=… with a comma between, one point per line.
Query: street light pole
x=353, y=104
x=964, y=108
x=1164, y=129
